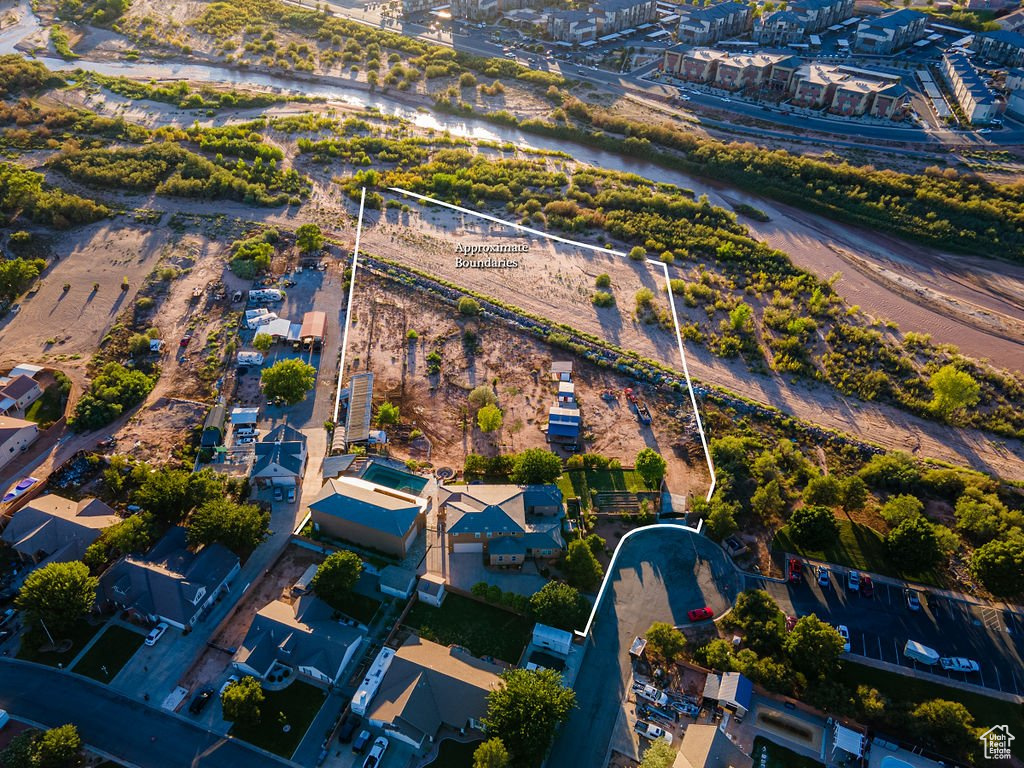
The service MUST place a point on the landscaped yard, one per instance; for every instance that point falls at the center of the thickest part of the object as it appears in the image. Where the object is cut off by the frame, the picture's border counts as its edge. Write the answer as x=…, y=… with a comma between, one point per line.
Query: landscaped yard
x=780, y=757
x=581, y=482
x=296, y=705
x=482, y=629
x=455, y=754
x=858, y=547
x=79, y=635
x=111, y=651
x=987, y=711
x=50, y=407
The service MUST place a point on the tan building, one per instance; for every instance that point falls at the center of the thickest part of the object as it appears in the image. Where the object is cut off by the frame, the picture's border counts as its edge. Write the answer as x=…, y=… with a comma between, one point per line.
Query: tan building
x=847, y=91
x=695, y=65
x=18, y=394
x=741, y=71
x=372, y=516
x=16, y=435
x=56, y=529
x=416, y=690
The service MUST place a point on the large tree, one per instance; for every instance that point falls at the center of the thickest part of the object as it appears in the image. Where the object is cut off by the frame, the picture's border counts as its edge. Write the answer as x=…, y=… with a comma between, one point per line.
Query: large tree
x=813, y=527
x=913, y=544
x=536, y=466
x=239, y=527
x=665, y=642
x=336, y=577
x=559, y=605
x=948, y=725
x=133, y=535
x=823, y=490
x=491, y=754
x=581, y=567
x=651, y=466
x=170, y=494
x=242, y=700
x=525, y=710
x=953, y=391
x=659, y=754
x=288, y=380
x=999, y=564
x=58, y=594
x=760, y=620
x=813, y=647
x=489, y=419
x=59, y=747
x=309, y=238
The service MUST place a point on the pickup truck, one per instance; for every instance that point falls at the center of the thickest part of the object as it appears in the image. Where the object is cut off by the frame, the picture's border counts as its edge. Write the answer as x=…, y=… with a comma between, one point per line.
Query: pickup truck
x=959, y=664
x=652, y=732
x=653, y=695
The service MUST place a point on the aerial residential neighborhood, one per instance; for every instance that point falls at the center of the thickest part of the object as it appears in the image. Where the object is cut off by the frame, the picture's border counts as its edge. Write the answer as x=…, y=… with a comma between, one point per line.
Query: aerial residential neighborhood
x=511, y=384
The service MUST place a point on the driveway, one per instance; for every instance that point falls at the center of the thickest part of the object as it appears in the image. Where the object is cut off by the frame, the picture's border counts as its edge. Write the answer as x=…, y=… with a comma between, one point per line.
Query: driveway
x=660, y=574
x=880, y=626
x=130, y=731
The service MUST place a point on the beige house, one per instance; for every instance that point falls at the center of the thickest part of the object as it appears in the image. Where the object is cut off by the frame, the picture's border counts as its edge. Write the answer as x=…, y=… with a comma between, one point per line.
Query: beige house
x=56, y=529
x=372, y=516
x=16, y=435
x=18, y=394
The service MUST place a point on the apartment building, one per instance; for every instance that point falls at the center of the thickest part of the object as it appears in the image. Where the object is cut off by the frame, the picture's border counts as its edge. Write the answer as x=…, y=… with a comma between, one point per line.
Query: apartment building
x=695, y=65
x=617, y=15
x=743, y=71
x=890, y=32
x=977, y=101
x=572, y=26
x=846, y=91
x=1002, y=46
x=800, y=19
x=706, y=26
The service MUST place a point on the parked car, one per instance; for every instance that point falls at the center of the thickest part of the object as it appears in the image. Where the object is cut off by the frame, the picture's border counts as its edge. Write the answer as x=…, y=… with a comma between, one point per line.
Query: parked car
x=245, y=440
x=867, y=587
x=156, y=633
x=380, y=746
x=290, y=494
x=185, y=340
x=853, y=581
x=700, y=614
x=844, y=633
x=959, y=664
x=796, y=571
x=200, y=701
x=348, y=727
x=913, y=601
x=653, y=695
x=231, y=679
x=278, y=493
x=652, y=731
x=362, y=741
x=824, y=577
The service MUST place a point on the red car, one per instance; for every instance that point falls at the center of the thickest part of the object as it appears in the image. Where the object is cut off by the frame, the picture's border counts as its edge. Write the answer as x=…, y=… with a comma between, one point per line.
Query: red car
x=699, y=614
x=796, y=573
x=185, y=340
x=867, y=587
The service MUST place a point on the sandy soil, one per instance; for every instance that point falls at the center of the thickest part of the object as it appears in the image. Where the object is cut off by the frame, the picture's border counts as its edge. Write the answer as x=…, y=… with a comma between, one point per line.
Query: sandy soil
x=517, y=367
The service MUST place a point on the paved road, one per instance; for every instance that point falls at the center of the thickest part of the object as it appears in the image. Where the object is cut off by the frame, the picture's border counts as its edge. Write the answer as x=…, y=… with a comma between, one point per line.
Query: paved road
x=880, y=626
x=118, y=725
x=659, y=576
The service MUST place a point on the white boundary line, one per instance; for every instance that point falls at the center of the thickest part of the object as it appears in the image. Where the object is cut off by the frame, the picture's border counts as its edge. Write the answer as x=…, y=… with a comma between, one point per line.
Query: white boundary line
x=348, y=308
x=597, y=249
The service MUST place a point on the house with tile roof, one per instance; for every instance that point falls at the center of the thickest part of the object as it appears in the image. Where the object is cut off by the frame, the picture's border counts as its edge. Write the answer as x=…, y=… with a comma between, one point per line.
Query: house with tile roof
x=171, y=582
x=302, y=638
x=370, y=515
x=53, y=529
x=505, y=523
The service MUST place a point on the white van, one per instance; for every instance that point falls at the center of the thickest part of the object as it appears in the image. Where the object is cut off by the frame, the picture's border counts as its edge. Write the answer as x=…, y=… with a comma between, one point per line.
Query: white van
x=247, y=432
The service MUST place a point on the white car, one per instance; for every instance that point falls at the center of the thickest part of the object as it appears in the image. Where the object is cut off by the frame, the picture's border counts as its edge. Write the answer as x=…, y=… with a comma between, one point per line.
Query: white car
x=380, y=746
x=229, y=681
x=653, y=695
x=845, y=634
x=156, y=633
x=245, y=440
x=652, y=732
x=959, y=664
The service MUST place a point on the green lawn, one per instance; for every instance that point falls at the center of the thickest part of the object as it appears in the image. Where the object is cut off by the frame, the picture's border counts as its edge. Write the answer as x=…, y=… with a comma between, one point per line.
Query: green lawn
x=48, y=408
x=780, y=757
x=296, y=705
x=360, y=607
x=580, y=482
x=482, y=629
x=986, y=710
x=113, y=650
x=860, y=547
x=79, y=635
x=455, y=754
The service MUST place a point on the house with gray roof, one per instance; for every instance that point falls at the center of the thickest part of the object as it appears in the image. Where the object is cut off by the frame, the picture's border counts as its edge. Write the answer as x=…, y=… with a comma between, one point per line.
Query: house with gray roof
x=505, y=523
x=280, y=458
x=372, y=516
x=53, y=529
x=301, y=638
x=171, y=582
x=18, y=394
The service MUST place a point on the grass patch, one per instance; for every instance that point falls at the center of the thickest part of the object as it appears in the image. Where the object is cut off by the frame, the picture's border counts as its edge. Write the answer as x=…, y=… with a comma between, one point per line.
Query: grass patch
x=987, y=711
x=780, y=757
x=112, y=650
x=360, y=607
x=581, y=483
x=296, y=705
x=79, y=635
x=482, y=629
x=48, y=408
x=860, y=547
x=455, y=754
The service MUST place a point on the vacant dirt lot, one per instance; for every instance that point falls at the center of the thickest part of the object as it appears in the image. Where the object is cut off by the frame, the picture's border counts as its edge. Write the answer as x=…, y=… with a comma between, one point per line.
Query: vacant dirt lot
x=475, y=352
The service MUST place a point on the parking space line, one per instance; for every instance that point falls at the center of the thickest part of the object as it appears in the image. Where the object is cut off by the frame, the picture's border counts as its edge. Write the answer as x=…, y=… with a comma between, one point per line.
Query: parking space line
x=999, y=684
x=897, y=647
x=881, y=655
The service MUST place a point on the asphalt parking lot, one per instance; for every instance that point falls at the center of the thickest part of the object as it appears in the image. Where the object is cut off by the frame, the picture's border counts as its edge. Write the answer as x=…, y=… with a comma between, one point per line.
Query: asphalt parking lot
x=880, y=626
